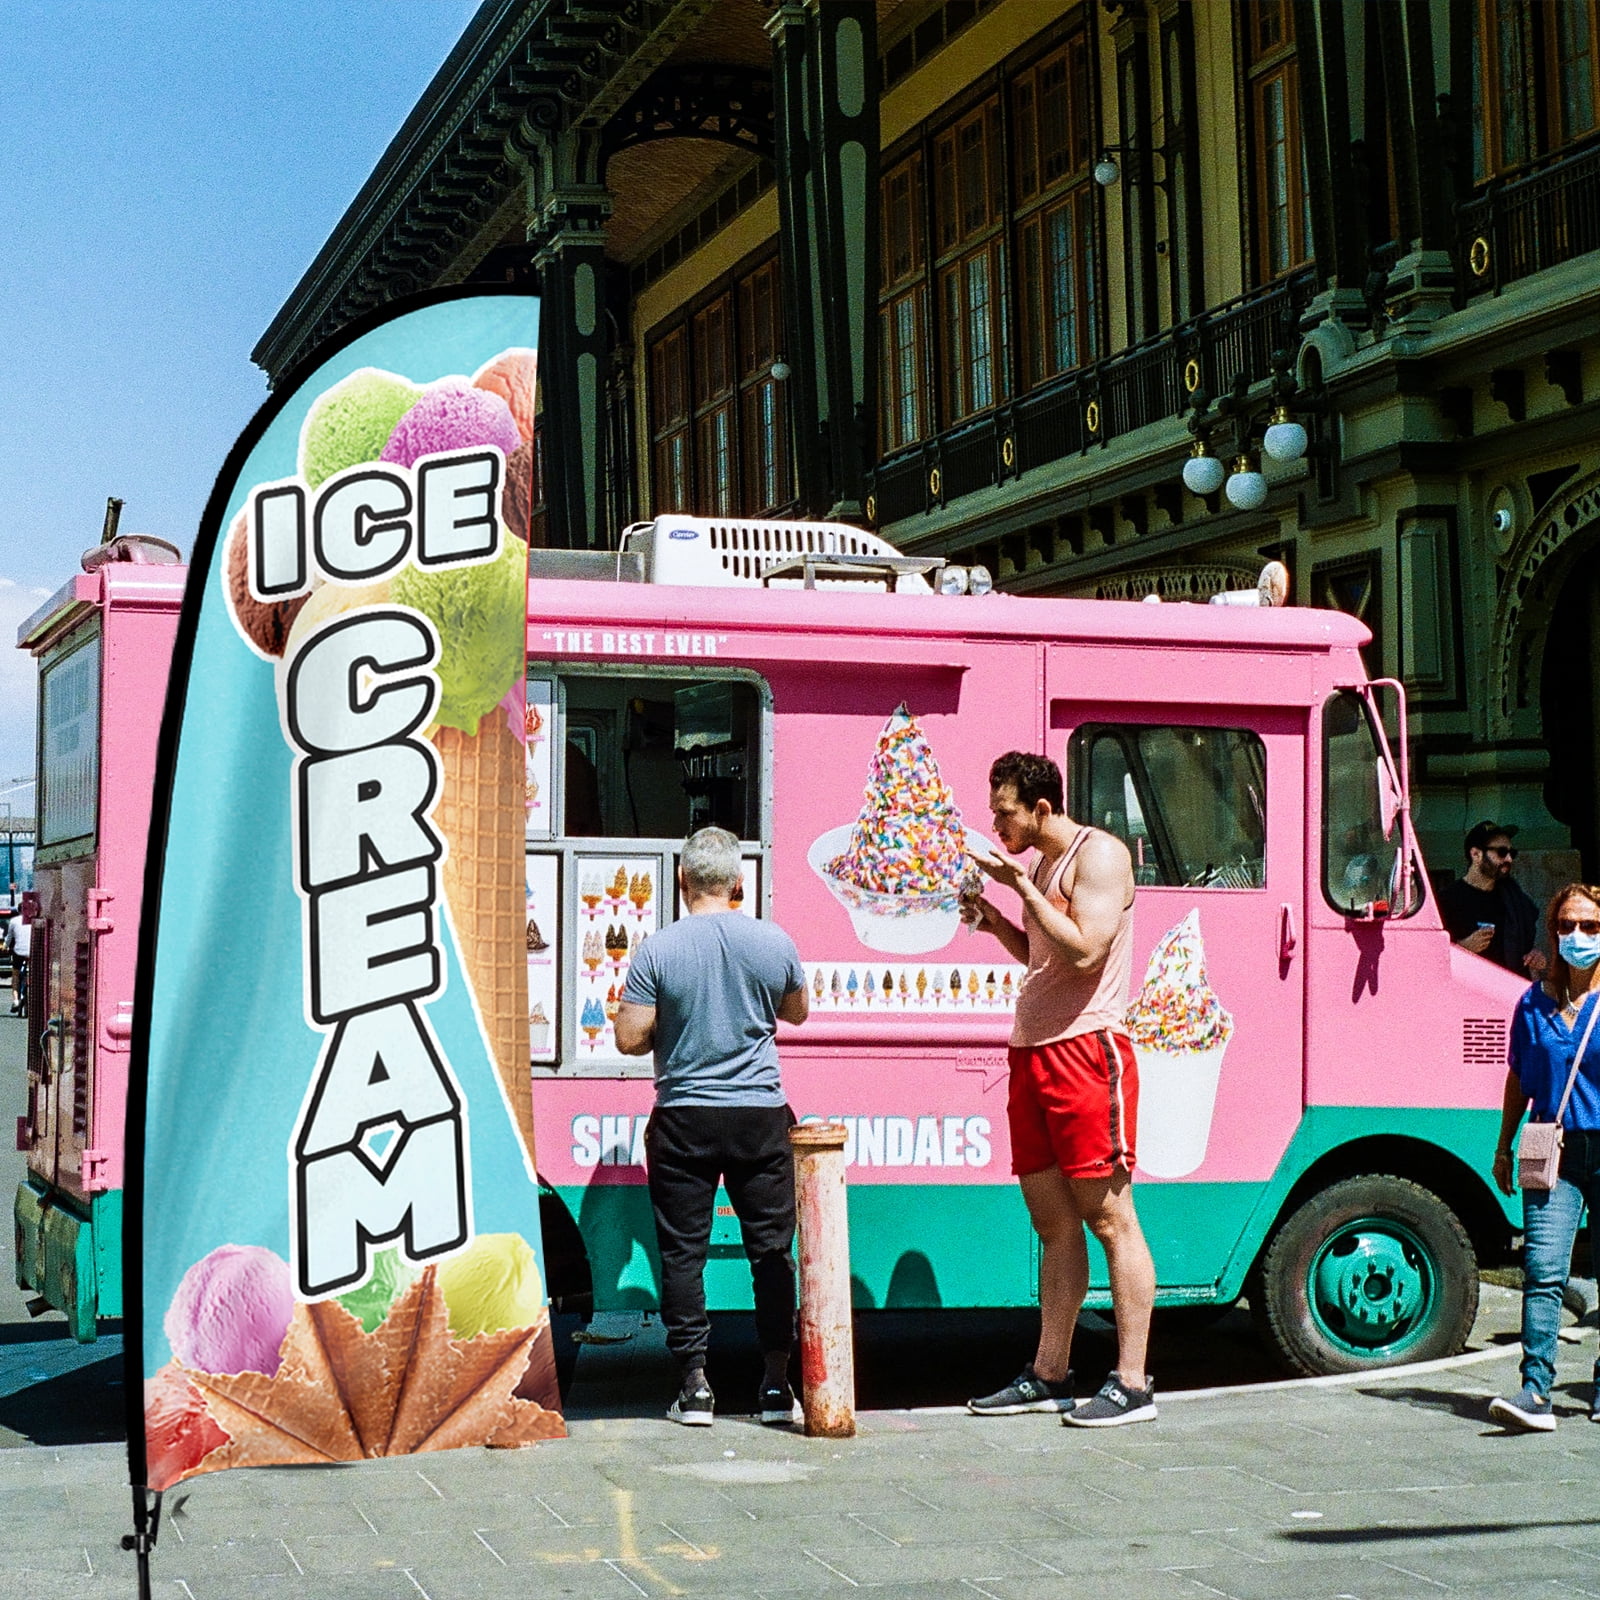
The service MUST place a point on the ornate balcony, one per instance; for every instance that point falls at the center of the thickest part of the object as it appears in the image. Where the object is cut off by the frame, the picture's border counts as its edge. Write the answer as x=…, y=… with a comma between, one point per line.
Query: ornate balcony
x=1149, y=382
x=1522, y=225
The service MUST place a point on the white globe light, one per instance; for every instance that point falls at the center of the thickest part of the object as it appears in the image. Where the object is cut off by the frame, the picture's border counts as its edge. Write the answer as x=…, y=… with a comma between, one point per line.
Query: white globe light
x=953, y=580
x=979, y=581
x=1246, y=489
x=1203, y=474
x=1285, y=441
x=1106, y=172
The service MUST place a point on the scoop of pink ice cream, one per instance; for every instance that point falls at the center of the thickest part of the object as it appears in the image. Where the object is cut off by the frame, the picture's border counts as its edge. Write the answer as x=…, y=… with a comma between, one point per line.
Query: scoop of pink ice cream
x=452, y=415
x=179, y=1432
x=231, y=1311
x=512, y=375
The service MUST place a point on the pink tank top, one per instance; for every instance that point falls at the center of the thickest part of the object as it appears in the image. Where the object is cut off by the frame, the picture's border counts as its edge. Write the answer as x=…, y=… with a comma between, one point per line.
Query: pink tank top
x=1057, y=1002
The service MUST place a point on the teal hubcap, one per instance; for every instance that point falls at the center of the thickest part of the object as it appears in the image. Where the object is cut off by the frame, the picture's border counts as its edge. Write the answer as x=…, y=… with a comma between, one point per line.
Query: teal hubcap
x=1371, y=1286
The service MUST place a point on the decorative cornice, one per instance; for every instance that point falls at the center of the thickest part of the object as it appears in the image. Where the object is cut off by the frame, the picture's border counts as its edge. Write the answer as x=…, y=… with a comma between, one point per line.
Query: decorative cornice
x=522, y=73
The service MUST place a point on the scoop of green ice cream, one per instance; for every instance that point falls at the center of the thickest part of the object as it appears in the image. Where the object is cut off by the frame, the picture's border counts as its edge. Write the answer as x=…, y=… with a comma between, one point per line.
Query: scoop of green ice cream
x=390, y=1279
x=494, y=1283
x=351, y=422
x=481, y=613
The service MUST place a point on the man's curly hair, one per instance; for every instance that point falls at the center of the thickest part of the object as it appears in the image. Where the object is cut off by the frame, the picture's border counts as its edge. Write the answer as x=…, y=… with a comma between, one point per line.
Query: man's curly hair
x=1034, y=778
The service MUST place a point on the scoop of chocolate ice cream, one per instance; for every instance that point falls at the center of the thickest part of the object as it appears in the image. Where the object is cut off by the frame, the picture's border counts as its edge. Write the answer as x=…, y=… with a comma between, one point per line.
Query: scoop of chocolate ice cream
x=516, y=497
x=265, y=623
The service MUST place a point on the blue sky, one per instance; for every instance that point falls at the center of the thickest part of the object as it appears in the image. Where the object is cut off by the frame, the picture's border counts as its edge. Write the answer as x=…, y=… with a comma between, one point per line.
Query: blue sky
x=170, y=169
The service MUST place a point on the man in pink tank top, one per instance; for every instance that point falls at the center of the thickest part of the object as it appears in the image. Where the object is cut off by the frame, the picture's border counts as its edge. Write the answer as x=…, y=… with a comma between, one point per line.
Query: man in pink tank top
x=1074, y=1098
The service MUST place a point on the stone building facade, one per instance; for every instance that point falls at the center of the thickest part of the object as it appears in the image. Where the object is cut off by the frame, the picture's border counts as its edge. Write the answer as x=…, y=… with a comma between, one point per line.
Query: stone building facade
x=981, y=273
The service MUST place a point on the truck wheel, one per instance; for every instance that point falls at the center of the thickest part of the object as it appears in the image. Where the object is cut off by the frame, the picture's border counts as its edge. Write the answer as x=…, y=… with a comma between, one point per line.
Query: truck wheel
x=1368, y=1273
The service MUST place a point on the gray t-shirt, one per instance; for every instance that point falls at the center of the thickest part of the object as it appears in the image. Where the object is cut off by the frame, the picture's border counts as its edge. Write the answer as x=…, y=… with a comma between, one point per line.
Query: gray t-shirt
x=716, y=981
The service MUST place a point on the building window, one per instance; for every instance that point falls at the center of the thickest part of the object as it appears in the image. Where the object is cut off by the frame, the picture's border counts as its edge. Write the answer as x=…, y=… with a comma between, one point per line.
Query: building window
x=1056, y=234
x=669, y=407
x=719, y=424
x=970, y=264
x=902, y=316
x=1277, y=158
x=1536, y=80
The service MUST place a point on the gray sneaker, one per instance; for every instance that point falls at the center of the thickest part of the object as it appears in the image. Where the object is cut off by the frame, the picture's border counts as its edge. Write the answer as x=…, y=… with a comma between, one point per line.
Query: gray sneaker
x=1116, y=1403
x=1026, y=1392
x=1527, y=1411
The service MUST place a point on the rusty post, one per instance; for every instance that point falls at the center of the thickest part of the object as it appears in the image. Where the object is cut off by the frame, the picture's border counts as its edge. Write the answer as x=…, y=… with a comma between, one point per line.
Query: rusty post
x=827, y=1359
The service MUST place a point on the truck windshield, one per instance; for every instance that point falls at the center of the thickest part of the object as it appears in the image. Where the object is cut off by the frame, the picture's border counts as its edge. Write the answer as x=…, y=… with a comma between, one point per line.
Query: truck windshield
x=1190, y=803
x=1361, y=863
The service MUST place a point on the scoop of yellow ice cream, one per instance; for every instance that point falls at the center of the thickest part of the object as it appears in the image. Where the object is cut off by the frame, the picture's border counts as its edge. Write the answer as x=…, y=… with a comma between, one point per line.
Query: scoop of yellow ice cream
x=494, y=1283
x=328, y=601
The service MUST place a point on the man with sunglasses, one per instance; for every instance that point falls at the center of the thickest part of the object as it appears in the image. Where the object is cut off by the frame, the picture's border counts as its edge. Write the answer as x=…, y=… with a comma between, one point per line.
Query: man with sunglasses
x=1486, y=910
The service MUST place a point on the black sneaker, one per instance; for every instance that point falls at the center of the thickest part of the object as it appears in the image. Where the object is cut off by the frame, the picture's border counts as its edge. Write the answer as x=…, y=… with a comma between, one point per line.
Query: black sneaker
x=779, y=1408
x=1594, y=1402
x=695, y=1407
x=1116, y=1403
x=1526, y=1410
x=1026, y=1392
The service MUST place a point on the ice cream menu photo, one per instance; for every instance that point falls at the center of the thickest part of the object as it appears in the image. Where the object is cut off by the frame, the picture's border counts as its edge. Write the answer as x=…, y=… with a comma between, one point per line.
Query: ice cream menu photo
x=333, y=1250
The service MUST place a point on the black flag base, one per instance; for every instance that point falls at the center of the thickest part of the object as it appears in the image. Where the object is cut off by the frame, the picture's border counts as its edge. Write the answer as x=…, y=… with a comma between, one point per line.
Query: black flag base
x=146, y=1524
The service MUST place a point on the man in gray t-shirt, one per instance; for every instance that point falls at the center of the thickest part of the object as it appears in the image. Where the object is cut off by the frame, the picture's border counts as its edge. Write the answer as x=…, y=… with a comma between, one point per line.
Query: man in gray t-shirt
x=706, y=994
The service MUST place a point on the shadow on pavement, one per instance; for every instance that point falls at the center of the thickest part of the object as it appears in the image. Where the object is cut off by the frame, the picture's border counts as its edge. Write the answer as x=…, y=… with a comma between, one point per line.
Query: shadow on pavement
x=1470, y=1407
x=1446, y=1530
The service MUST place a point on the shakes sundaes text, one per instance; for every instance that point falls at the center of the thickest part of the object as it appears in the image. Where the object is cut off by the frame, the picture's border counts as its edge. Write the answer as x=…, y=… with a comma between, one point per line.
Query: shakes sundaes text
x=361, y=686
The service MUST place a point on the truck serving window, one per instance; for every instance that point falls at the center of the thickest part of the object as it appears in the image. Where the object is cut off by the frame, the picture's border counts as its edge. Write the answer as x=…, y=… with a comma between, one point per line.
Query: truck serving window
x=1190, y=803
x=622, y=767
x=1360, y=866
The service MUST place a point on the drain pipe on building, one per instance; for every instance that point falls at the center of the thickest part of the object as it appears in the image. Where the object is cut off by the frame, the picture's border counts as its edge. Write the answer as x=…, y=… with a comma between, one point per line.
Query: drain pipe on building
x=827, y=1355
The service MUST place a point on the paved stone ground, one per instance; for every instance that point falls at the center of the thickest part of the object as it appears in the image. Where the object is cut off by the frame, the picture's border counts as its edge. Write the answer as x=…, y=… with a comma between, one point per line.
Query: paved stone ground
x=1365, y=1491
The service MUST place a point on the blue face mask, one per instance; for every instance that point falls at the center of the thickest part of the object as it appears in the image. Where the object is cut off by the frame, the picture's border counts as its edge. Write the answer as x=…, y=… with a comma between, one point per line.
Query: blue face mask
x=1580, y=950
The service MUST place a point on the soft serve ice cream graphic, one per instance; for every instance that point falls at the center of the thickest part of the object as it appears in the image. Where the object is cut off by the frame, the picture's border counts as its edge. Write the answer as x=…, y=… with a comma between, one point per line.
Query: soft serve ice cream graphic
x=1180, y=1033
x=899, y=868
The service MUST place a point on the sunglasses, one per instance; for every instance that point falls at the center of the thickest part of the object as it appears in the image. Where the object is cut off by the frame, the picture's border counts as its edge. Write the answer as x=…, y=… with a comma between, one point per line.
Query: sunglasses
x=1507, y=852
x=1588, y=925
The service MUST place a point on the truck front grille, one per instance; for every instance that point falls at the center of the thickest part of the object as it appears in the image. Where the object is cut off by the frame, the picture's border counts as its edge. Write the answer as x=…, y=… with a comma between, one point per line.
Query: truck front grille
x=1483, y=1041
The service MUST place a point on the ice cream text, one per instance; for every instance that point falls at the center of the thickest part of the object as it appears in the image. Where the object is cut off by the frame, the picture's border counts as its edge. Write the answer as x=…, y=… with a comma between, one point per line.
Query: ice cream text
x=379, y=1151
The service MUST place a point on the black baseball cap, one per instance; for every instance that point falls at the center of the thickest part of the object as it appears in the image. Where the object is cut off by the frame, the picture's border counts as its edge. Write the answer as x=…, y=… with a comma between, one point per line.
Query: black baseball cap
x=1478, y=838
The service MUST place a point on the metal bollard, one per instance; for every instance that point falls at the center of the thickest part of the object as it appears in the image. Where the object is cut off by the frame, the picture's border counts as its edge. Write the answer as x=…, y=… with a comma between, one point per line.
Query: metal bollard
x=827, y=1359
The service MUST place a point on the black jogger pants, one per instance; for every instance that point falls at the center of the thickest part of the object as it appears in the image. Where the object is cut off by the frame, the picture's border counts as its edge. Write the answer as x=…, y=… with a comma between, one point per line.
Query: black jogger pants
x=688, y=1149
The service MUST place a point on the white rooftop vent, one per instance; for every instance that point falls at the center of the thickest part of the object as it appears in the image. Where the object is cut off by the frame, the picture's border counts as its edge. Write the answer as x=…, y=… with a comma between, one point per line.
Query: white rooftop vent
x=719, y=552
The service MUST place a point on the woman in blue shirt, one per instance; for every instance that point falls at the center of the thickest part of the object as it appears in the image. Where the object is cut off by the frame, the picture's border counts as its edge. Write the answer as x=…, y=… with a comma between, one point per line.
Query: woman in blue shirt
x=1546, y=1030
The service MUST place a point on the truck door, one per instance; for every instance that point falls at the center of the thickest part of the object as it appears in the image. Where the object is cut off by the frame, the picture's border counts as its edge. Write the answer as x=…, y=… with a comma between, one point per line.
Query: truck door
x=1210, y=803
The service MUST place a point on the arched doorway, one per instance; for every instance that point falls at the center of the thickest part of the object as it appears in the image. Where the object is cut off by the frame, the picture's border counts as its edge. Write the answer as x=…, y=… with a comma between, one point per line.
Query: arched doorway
x=1569, y=703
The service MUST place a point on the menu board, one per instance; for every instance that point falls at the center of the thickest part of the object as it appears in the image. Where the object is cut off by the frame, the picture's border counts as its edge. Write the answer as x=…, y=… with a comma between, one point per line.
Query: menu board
x=618, y=908
x=69, y=758
x=539, y=723
x=544, y=956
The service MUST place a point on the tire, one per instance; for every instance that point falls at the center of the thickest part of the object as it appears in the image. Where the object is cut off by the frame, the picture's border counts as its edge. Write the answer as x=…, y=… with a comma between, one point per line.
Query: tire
x=1368, y=1273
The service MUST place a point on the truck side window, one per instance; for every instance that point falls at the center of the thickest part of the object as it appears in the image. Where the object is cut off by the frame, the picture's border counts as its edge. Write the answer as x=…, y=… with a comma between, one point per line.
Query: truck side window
x=1360, y=866
x=656, y=757
x=1190, y=803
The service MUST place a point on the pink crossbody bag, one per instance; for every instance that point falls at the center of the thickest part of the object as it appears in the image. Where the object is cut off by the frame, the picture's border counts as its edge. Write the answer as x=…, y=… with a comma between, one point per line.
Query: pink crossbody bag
x=1539, y=1143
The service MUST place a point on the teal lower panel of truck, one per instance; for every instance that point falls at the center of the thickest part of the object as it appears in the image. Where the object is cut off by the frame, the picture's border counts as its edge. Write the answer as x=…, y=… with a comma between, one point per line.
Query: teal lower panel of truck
x=71, y=1260
x=933, y=1245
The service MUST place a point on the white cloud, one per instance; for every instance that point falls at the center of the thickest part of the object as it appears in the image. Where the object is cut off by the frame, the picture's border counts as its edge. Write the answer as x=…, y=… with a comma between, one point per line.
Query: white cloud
x=19, y=686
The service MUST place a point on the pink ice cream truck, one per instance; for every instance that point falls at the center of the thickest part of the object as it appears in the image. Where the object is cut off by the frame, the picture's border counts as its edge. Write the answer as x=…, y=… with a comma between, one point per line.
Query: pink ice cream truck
x=103, y=643
x=1321, y=1068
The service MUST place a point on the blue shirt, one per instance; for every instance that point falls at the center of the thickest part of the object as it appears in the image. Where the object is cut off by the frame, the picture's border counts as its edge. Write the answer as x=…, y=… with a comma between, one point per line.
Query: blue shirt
x=1541, y=1057
x=716, y=981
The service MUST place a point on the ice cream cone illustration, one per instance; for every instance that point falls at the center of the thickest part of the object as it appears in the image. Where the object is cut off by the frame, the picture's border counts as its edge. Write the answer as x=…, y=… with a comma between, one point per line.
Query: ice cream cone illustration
x=538, y=1028
x=640, y=891
x=594, y=954
x=816, y=985
x=616, y=946
x=592, y=1020
x=617, y=890
x=613, y=1003
x=591, y=893
x=1180, y=1034
x=480, y=614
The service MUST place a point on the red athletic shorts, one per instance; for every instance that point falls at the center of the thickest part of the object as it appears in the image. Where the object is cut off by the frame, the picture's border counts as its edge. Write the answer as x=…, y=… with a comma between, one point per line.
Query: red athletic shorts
x=1074, y=1105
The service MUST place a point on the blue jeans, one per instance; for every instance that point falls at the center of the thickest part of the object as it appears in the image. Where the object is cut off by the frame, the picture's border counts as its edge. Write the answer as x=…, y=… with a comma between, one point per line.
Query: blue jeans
x=1549, y=1226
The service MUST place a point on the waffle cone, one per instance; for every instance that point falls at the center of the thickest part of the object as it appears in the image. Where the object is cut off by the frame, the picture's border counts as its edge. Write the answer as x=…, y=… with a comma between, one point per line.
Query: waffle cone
x=480, y=813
